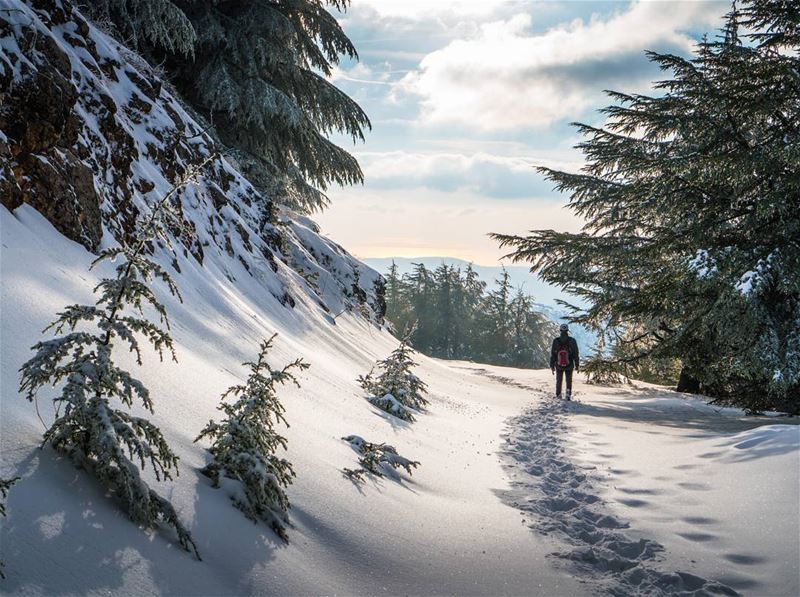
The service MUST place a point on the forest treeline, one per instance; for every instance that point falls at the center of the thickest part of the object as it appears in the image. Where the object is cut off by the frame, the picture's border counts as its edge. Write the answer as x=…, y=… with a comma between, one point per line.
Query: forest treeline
x=450, y=313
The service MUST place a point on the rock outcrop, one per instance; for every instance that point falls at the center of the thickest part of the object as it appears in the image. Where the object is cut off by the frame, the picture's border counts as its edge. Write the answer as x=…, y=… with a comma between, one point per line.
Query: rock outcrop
x=91, y=136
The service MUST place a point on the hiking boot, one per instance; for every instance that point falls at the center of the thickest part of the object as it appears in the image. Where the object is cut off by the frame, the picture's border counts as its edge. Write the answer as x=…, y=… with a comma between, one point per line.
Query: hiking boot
x=558, y=396
x=569, y=395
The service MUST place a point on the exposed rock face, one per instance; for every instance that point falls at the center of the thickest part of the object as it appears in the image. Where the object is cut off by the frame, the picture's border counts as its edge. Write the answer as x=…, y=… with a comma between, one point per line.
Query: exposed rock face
x=90, y=137
x=41, y=130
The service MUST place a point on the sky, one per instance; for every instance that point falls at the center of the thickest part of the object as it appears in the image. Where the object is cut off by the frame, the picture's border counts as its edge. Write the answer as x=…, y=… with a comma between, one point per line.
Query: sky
x=467, y=97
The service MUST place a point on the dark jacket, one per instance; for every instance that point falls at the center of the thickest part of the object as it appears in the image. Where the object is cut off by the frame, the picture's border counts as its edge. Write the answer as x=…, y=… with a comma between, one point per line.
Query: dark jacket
x=572, y=347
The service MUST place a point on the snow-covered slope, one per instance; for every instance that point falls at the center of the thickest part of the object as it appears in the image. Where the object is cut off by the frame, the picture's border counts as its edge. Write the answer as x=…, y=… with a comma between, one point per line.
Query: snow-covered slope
x=89, y=137
x=442, y=531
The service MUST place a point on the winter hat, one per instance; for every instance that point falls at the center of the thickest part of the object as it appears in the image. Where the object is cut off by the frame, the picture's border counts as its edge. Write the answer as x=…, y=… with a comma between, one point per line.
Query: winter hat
x=563, y=327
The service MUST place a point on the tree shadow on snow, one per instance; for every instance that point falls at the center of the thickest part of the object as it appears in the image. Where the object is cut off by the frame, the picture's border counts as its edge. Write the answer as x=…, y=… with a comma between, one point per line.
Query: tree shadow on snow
x=396, y=422
x=228, y=540
x=705, y=424
x=65, y=534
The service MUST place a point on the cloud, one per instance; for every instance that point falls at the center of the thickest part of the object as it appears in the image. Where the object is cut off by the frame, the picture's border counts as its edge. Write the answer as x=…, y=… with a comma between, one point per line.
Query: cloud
x=360, y=73
x=506, y=77
x=425, y=9
x=479, y=174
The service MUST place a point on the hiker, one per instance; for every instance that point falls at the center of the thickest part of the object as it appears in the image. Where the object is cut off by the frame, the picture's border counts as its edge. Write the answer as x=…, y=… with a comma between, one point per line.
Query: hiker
x=564, y=358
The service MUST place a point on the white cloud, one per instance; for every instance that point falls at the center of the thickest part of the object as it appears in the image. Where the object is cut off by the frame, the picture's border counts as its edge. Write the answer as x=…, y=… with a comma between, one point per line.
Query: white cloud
x=422, y=9
x=480, y=174
x=506, y=77
x=360, y=73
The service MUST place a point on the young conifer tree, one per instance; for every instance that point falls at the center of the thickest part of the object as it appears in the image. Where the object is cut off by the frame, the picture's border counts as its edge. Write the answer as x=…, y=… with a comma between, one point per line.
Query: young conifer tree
x=395, y=388
x=375, y=459
x=92, y=430
x=245, y=444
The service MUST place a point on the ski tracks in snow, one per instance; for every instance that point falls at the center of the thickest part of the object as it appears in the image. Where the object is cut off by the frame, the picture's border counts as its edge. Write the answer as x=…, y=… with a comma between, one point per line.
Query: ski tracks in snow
x=560, y=497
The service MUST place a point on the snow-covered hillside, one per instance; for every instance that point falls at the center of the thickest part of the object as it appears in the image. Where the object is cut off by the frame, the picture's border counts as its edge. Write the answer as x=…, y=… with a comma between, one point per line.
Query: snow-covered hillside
x=442, y=531
x=631, y=486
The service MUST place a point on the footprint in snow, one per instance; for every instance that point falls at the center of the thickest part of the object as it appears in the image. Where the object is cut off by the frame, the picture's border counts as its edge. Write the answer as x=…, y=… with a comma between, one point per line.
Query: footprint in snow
x=698, y=537
x=744, y=559
x=559, y=499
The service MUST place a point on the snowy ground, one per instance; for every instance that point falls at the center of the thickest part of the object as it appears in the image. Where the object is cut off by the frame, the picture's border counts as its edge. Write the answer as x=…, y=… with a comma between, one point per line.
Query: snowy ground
x=651, y=491
x=704, y=492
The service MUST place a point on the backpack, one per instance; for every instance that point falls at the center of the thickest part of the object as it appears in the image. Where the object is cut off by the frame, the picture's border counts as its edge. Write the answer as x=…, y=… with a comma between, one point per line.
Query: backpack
x=562, y=356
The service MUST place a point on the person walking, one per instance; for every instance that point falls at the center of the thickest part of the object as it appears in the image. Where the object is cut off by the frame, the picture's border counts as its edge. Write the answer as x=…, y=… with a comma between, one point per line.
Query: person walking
x=564, y=359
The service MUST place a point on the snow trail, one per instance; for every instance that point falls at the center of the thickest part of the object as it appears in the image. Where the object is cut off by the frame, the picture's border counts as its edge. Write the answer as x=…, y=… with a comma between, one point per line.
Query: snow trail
x=559, y=494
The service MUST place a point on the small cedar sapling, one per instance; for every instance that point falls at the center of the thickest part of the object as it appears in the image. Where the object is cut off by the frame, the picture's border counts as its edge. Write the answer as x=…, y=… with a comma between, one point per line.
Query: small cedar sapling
x=245, y=443
x=394, y=388
x=92, y=431
x=375, y=459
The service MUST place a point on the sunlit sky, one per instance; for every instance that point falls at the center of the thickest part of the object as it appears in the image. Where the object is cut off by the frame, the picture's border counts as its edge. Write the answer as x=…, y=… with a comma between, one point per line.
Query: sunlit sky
x=466, y=97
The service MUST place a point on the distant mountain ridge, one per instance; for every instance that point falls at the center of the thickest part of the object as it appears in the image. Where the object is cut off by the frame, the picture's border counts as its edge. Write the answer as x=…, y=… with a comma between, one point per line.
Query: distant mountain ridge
x=544, y=294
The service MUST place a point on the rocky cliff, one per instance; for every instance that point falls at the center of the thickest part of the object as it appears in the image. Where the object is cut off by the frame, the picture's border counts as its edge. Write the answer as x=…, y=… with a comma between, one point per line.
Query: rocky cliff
x=91, y=135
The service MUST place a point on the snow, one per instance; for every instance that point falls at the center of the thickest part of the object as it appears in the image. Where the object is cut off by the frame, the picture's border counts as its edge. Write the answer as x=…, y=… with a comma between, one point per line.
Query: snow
x=685, y=487
x=752, y=279
x=345, y=540
x=155, y=141
x=745, y=283
x=703, y=492
x=702, y=264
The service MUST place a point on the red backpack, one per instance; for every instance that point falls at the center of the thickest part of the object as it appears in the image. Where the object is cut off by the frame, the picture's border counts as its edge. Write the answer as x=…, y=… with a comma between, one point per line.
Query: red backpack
x=562, y=356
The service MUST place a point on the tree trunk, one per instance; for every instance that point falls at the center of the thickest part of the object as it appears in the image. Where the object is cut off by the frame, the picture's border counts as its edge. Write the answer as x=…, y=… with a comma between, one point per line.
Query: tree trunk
x=687, y=383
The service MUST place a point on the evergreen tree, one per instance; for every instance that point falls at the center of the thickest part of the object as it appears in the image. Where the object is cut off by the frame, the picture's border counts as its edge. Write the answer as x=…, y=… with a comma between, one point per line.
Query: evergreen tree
x=95, y=434
x=138, y=23
x=5, y=486
x=474, y=290
x=259, y=72
x=461, y=316
x=690, y=249
x=775, y=23
x=496, y=321
x=420, y=291
x=396, y=311
x=245, y=443
x=445, y=323
x=375, y=459
x=531, y=333
x=395, y=388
